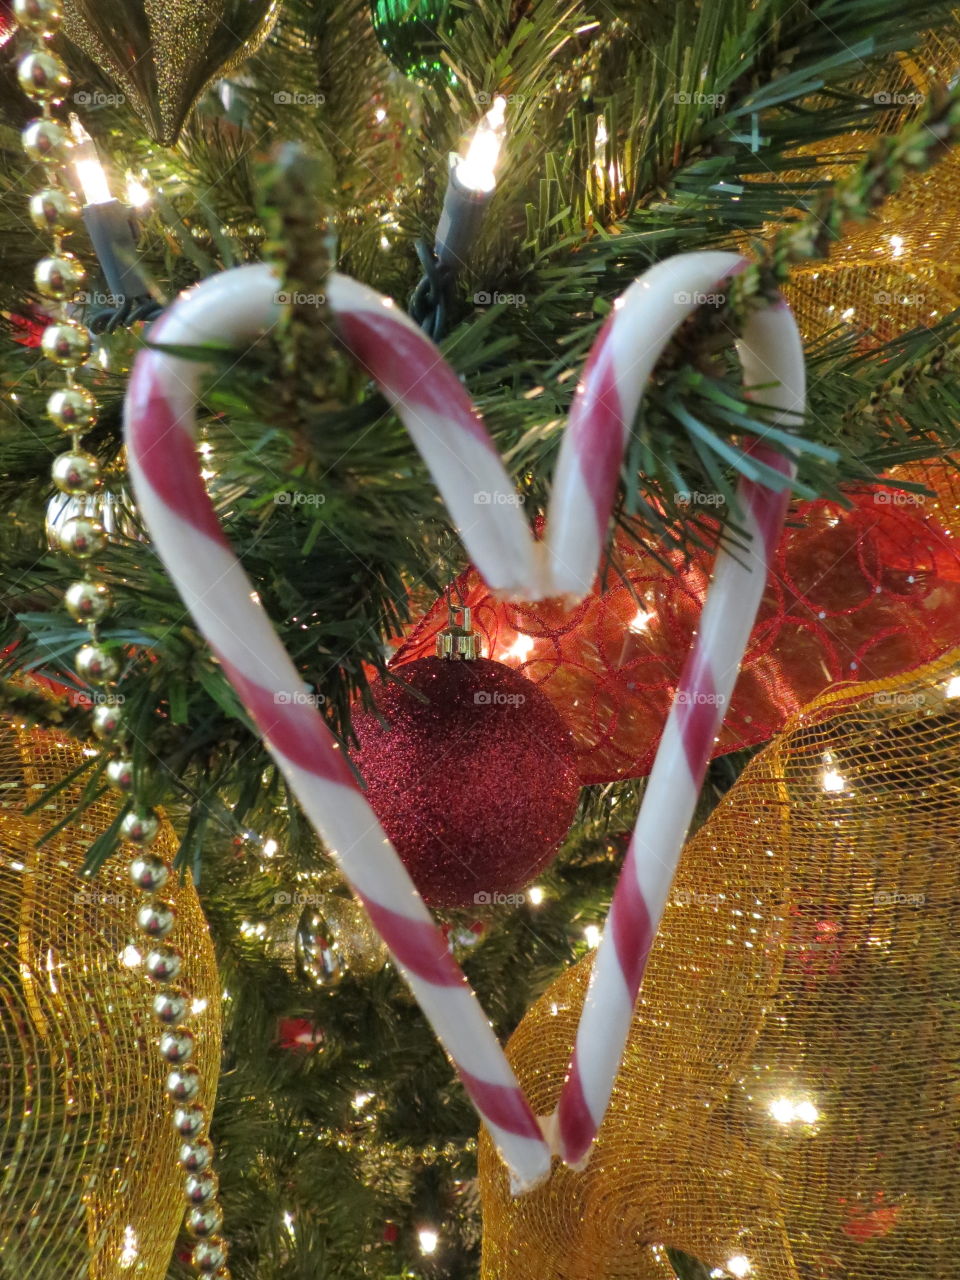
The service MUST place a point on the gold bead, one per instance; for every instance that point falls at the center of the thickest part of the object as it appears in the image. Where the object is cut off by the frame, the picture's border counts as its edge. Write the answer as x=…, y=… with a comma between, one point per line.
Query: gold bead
x=81, y=536
x=164, y=963
x=140, y=828
x=189, y=1120
x=204, y=1220
x=120, y=777
x=96, y=665
x=66, y=343
x=209, y=1256
x=47, y=142
x=201, y=1188
x=42, y=17
x=183, y=1083
x=87, y=601
x=76, y=473
x=60, y=277
x=43, y=76
x=176, y=1045
x=54, y=210
x=155, y=917
x=107, y=724
x=148, y=872
x=72, y=409
x=171, y=1007
x=196, y=1155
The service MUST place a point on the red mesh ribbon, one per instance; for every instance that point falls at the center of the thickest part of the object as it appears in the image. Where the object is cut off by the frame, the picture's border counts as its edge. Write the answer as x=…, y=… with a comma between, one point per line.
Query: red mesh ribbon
x=854, y=594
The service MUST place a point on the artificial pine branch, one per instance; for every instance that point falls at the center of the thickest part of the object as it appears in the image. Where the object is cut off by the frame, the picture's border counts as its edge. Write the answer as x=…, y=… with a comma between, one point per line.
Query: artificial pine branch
x=30, y=706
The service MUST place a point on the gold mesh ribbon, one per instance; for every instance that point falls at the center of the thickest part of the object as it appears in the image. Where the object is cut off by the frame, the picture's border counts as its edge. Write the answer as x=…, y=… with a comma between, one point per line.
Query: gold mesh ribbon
x=901, y=270
x=788, y=1105
x=90, y=1188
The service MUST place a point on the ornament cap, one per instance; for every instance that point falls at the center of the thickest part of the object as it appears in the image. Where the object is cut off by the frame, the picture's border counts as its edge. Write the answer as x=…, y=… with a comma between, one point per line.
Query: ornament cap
x=457, y=639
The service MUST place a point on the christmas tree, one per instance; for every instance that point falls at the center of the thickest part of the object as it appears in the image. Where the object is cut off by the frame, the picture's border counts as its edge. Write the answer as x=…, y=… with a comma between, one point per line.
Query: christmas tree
x=503, y=172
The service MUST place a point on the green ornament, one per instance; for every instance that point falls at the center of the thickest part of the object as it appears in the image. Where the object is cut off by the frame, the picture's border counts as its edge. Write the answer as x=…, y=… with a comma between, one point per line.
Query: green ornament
x=411, y=33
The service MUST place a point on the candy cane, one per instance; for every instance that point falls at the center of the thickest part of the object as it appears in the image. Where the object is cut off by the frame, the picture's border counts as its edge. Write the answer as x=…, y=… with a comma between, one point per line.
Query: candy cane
x=448, y=432
x=771, y=351
x=160, y=424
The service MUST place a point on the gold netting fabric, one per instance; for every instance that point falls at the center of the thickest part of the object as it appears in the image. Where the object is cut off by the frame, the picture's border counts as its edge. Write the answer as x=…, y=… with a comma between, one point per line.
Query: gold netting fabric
x=90, y=1188
x=901, y=270
x=788, y=1106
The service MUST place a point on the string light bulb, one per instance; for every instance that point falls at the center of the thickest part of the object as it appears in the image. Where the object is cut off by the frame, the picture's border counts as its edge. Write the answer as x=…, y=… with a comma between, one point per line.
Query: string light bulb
x=477, y=169
x=138, y=196
x=429, y=1239
x=112, y=233
x=131, y=1248
x=470, y=187
x=830, y=779
x=521, y=648
x=91, y=174
x=787, y=1111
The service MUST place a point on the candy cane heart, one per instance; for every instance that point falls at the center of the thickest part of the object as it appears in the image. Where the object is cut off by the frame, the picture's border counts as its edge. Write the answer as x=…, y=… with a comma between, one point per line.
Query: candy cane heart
x=451, y=437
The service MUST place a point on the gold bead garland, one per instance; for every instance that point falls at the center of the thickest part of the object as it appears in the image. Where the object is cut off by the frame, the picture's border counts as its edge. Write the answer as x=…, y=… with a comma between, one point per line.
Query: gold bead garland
x=76, y=473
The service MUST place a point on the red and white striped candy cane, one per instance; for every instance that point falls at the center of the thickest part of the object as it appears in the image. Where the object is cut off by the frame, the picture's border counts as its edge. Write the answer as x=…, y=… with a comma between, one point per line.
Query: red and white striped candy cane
x=771, y=352
x=470, y=476
x=160, y=425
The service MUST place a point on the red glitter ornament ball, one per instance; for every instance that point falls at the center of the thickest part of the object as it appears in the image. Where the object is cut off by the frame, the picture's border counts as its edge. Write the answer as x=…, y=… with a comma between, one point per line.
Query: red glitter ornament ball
x=476, y=786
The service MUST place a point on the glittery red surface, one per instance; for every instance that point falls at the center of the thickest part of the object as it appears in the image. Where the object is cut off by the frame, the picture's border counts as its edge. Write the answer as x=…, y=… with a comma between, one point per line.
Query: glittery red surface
x=476, y=787
x=854, y=594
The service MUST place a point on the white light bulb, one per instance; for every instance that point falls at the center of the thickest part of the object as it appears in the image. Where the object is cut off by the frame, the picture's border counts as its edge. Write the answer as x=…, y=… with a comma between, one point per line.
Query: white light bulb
x=86, y=164
x=429, y=1239
x=535, y=895
x=521, y=648
x=640, y=621
x=592, y=935
x=475, y=170
x=739, y=1266
x=131, y=1248
x=953, y=688
x=786, y=1111
x=830, y=779
x=782, y=1110
x=137, y=194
